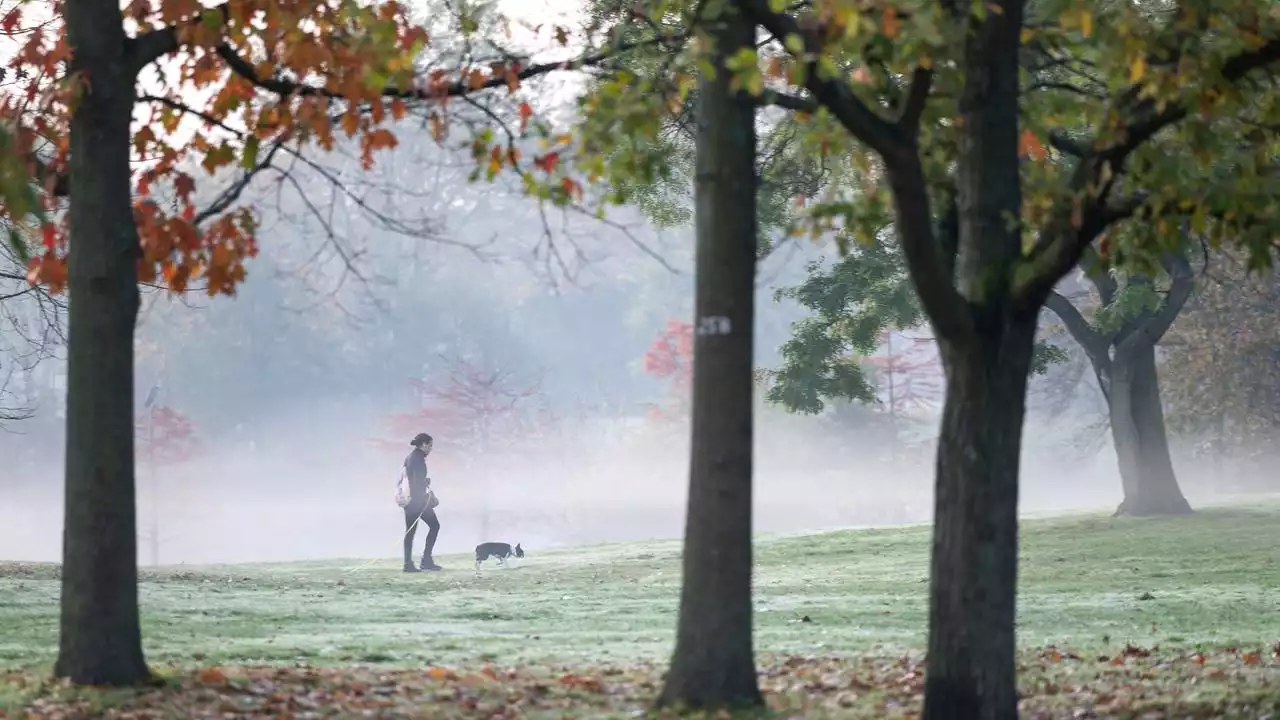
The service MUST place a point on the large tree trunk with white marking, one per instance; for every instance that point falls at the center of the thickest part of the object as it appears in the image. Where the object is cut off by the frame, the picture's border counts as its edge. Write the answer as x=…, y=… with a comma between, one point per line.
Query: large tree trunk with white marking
x=714, y=663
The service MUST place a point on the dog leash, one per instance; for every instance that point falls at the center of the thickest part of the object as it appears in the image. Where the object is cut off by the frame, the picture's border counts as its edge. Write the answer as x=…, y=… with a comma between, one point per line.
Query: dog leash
x=367, y=563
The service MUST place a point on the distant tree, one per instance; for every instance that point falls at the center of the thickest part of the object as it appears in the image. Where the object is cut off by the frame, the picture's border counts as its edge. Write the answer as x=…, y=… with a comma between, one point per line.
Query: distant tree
x=670, y=359
x=165, y=437
x=1221, y=367
x=908, y=375
x=471, y=406
x=1134, y=312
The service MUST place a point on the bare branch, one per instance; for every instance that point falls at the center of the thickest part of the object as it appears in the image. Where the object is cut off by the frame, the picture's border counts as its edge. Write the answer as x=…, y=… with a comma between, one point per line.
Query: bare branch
x=284, y=87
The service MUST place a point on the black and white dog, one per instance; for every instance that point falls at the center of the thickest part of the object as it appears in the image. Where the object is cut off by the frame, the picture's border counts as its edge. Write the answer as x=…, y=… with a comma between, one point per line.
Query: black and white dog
x=499, y=550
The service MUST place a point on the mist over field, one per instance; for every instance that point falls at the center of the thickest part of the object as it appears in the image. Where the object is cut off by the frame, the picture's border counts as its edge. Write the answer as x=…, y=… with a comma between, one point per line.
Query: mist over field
x=300, y=396
x=302, y=391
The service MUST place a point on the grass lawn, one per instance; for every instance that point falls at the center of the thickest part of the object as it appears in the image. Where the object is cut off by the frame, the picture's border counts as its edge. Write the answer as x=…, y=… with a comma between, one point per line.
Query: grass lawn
x=1179, y=617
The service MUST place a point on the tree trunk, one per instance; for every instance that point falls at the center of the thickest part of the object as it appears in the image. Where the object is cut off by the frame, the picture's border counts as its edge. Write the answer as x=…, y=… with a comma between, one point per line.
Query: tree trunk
x=713, y=665
x=1141, y=442
x=975, y=534
x=100, y=640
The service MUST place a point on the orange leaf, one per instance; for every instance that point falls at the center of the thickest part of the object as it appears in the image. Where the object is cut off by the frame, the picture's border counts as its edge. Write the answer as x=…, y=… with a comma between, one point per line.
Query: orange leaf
x=775, y=67
x=890, y=25
x=571, y=188
x=351, y=122
x=513, y=77
x=1252, y=658
x=212, y=676
x=439, y=673
x=1029, y=146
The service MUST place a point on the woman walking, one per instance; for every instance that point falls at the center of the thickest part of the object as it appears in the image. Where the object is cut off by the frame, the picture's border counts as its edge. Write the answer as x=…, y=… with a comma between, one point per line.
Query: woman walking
x=421, y=505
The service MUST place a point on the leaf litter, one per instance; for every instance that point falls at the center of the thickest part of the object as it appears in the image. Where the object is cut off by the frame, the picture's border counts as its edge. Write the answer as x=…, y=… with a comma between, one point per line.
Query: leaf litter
x=1136, y=682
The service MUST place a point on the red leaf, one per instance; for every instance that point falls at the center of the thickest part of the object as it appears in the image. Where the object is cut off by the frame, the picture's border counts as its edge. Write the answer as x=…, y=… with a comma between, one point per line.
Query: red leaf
x=525, y=113
x=547, y=163
x=11, y=20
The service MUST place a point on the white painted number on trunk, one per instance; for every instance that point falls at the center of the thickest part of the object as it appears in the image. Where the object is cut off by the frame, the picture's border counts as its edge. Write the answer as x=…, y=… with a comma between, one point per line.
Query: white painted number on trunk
x=713, y=325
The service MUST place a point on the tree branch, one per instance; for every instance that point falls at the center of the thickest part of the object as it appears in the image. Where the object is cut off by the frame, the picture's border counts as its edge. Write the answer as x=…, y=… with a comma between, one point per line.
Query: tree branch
x=896, y=145
x=1149, y=329
x=155, y=44
x=1097, y=273
x=1075, y=228
x=932, y=268
x=917, y=97
x=1093, y=343
x=283, y=87
x=1059, y=141
x=859, y=119
x=787, y=101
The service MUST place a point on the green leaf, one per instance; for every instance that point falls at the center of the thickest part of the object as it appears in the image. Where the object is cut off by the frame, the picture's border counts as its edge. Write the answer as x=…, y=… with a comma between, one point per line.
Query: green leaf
x=19, y=246
x=249, y=160
x=211, y=19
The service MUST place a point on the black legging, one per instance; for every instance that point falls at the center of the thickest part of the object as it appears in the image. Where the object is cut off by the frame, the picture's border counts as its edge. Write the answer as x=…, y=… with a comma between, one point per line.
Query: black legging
x=411, y=516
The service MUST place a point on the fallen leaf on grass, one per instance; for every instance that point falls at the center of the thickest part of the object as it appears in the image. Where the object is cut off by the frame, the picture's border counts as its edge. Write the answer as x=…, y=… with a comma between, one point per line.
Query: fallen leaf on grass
x=439, y=673
x=212, y=676
x=1149, y=683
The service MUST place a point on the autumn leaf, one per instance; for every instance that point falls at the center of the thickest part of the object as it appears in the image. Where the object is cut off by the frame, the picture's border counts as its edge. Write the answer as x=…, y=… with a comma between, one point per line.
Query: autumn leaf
x=1137, y=68
x=1029, y=146
x=890, y=25
x=212, y=676
x=525, y=113
x=548, y=162
x=11, y=20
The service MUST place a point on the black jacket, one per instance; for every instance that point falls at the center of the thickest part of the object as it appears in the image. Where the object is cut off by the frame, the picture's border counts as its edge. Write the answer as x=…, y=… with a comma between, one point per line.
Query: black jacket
x=416, y=464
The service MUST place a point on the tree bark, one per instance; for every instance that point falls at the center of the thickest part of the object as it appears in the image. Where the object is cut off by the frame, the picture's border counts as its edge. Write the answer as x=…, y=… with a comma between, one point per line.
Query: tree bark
x=974, y=565
x=100, y=639
x=1139, y=435
x=713, y=665
x=971, y=674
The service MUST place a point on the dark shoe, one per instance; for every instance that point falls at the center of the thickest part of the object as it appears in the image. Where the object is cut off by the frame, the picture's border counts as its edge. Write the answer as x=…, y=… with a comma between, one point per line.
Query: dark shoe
x=408, y=567
x=429, y=564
